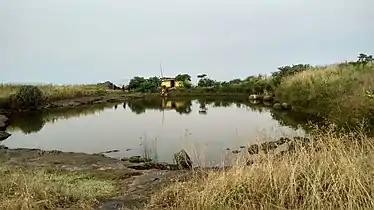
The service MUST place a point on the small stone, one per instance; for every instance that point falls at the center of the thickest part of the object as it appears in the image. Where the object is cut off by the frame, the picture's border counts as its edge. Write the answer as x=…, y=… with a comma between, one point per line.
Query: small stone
x=235, y=151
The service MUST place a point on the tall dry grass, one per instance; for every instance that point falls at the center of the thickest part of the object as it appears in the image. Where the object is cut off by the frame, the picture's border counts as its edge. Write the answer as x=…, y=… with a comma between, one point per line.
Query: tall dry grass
x=337, y=91
x=22, y=188
x=336, y=171
x=58, y=92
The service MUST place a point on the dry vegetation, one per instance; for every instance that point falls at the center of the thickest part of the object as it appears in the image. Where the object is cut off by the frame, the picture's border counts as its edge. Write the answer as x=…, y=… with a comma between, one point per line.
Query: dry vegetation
x=58, y=92
x=336, y=91
x=22, y=188
x=337, y=175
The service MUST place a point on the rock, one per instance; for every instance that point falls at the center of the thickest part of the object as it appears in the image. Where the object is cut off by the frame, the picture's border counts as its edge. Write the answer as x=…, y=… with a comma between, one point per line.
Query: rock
x=110, y=151
x=235, y=151
x=183, y=160
x=282, y=140
x=255, y=97
x=277, y=106
x=268, y=98
x=267, y=146
x=3, y=122
x=135, y=159
x=125, y=159
x=253, y=149
x=4, y=135
x=3, y=147
x=286, y=106
x=147, y=166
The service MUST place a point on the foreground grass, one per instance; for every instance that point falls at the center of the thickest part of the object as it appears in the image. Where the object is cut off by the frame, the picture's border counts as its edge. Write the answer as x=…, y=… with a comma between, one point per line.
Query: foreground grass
x=42, y=189
x=339, y=92
x=58, y=92
x=337, y=175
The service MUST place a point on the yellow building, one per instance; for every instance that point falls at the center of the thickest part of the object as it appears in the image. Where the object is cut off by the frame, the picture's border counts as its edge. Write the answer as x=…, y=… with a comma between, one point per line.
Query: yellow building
x=169, y=82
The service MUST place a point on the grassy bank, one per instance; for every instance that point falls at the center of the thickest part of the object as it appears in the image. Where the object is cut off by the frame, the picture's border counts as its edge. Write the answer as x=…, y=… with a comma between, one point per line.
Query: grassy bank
x=58, y=92
x=22, y=188
x=340, y=92
x=337, y=175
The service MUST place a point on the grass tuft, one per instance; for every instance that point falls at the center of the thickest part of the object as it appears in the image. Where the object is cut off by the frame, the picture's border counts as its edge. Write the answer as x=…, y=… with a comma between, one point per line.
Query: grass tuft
x=22, y=188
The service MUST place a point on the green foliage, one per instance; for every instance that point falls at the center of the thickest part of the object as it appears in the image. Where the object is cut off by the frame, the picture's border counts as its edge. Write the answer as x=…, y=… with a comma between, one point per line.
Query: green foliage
x=206, y=82
x=28, y=96
x=183, y=77
x=136, y=82
x=187, y=84
x=201, y=76
x=140, y=84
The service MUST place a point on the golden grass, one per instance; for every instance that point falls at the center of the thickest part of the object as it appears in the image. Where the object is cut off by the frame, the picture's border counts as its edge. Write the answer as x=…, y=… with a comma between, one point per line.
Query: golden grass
x=339, y=175
x=337, y=91
x=40, y=189
x=58, y=92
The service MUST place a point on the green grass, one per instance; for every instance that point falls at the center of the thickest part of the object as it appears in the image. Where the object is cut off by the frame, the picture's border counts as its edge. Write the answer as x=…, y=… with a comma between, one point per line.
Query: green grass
x=337, y=173
x=22, y=188
x=339, y=92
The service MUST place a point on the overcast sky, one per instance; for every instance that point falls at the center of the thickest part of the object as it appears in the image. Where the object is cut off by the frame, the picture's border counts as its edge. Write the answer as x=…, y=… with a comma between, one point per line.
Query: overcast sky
x=88, y=41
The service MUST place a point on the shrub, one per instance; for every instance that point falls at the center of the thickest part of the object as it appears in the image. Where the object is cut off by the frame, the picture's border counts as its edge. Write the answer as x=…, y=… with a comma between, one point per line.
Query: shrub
x=28, y=96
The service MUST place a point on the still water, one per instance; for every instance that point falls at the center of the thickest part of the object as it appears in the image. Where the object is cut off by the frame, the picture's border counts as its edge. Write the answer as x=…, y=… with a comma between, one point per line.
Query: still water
x=155, y=128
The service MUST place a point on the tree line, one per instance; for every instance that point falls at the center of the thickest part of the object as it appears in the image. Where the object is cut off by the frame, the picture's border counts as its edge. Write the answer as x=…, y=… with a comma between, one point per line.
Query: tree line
x=255, y=84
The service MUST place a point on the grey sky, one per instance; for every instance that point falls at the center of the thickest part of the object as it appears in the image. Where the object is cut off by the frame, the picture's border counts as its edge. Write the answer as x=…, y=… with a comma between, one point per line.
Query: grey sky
x=87, y=41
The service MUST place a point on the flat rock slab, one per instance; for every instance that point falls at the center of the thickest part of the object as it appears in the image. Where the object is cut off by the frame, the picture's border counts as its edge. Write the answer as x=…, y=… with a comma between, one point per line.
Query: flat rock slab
x=4, y=135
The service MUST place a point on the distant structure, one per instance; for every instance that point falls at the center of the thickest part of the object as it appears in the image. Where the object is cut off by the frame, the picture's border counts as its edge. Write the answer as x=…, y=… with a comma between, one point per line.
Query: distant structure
x=170, y=83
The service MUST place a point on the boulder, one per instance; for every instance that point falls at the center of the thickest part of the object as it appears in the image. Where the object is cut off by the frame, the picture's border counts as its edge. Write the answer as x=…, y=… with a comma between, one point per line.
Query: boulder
x=268, y=98
x=277, y=106
x=286, y=106
x=183, y=160
x=4, y=135
x=255, y=97
x=3, y=122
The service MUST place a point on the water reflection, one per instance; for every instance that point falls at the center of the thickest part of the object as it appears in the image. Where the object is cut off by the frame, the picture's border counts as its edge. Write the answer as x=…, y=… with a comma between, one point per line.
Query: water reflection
x=134, y=127
x=33, y=122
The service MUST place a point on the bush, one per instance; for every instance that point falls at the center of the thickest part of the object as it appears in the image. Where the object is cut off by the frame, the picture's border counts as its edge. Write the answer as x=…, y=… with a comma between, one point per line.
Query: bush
x=28, y=96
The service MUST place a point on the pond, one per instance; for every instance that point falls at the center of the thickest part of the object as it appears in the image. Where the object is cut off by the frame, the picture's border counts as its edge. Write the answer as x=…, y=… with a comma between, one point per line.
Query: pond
x=156, y=128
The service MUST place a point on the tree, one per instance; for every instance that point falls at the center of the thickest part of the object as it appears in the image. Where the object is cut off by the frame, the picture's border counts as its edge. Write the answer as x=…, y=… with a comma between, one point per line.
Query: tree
x=364, y=59
x=183, y=77
x=201, y=76
x=136, y=82
x=206, y=82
